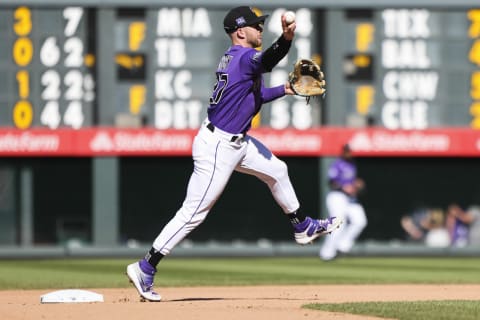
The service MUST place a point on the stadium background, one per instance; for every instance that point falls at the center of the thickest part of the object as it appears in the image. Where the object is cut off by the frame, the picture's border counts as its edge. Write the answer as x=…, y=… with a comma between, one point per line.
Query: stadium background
x=98, y=103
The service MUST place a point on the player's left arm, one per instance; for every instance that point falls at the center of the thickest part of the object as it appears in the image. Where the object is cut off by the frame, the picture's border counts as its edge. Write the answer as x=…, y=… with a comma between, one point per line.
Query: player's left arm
x=270, y=94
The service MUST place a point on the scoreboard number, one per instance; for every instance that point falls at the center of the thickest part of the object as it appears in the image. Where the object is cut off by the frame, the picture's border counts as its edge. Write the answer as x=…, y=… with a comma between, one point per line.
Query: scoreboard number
x=23, y=51
x=23, y=114
x=23, y=21
x=50, y=52
x=50, y=115
x=73, y=15
x=74, y=49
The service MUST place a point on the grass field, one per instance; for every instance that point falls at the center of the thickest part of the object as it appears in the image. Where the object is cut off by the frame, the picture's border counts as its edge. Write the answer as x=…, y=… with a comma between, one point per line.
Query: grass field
x=408, y=310
x=109, y=273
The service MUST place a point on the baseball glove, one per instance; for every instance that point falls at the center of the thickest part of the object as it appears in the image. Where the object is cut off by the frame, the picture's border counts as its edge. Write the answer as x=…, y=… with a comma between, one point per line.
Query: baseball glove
x=307, y=79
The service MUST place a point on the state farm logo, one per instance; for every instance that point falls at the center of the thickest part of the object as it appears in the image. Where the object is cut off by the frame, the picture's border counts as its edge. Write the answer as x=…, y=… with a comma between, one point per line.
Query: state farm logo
x=361, y=141
x=290, y=141
x=102, y=142
x=29, y=142
x=400, y=141
x=124, y=141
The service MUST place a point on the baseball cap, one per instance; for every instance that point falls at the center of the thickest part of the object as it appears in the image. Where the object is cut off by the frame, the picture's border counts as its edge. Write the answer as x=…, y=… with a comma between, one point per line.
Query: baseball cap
x=241, y=17
x=346, y=148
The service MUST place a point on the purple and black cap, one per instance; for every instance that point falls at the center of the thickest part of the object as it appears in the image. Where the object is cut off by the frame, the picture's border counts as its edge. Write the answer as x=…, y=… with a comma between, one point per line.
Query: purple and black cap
x=240, y=17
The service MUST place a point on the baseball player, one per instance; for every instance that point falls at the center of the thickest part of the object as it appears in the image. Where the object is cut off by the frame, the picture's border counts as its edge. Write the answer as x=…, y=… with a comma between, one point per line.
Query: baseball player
x=222, y=144
x=342, y=203
x=463, y=225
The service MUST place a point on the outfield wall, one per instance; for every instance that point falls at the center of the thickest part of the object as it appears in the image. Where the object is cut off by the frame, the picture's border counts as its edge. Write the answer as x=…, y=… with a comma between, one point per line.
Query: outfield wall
x=236, y=249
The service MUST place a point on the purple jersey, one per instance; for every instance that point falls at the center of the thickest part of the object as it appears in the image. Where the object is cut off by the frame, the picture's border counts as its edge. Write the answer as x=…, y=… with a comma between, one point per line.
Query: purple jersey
x=342, y=172
x=239, y=91
x=460, y=233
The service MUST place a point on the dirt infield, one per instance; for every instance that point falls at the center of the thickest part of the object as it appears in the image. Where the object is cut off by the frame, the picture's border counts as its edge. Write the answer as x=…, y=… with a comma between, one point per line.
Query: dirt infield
x=212, y=303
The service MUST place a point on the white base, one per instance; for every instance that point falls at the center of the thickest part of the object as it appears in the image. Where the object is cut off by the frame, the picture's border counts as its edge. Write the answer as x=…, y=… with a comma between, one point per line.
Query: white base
x=71, y=296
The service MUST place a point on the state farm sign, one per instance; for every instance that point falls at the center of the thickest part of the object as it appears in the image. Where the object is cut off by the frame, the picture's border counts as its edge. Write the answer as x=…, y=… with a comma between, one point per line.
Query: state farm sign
x=25, y=141
x=141, y=142
x=325, y=141
x=403, y=141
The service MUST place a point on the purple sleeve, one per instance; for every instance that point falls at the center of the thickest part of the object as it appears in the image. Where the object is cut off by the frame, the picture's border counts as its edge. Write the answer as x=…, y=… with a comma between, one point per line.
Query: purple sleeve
x=253, y=60
x=269, y=94
x=334, y=171
x=342, y=172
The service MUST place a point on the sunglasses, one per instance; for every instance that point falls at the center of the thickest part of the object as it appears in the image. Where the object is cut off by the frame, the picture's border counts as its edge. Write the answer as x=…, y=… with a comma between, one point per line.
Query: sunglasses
x=258, y=26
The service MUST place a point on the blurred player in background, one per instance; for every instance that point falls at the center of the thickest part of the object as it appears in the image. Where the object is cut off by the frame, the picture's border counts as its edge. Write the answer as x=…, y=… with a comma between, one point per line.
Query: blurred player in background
x=223, y=146
x=341, y=202
x=463, y=225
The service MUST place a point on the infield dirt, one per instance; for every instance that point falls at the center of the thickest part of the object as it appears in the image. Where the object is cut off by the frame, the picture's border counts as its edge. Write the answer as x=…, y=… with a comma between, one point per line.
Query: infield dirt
x=212, y=303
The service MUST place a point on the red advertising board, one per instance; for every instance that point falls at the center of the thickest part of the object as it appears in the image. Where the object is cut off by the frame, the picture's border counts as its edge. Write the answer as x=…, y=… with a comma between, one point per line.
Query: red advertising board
x=326, y=141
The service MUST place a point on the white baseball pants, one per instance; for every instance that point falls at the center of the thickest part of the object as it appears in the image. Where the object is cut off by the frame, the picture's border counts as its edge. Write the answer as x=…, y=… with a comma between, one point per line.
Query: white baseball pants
x=355, y=220
x=215, y=158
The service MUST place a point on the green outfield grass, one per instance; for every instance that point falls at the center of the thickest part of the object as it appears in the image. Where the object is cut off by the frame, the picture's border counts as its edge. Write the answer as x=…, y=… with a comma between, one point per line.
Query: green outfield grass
x=408, y=310
x=89, y=273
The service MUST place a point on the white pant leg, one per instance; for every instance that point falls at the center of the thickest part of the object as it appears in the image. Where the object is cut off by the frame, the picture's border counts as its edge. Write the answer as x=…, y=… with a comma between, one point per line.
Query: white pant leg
x=357, y=221
x=214, y=162
x=260, y=162
x=337, y=205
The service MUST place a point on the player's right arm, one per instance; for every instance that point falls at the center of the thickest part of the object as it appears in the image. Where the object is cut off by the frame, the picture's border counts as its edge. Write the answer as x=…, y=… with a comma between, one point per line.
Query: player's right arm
x=276, y=52
x=279, y=49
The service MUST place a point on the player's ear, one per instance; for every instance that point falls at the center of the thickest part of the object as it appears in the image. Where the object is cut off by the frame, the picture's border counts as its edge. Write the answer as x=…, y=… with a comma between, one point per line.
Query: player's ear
x=240, y=33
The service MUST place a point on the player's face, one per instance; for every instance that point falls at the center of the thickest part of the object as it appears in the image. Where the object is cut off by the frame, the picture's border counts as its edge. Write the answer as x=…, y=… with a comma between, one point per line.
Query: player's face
x=254, y=35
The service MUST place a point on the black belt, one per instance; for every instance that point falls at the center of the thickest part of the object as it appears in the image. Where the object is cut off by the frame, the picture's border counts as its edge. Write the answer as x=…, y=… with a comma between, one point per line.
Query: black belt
x=211, y=127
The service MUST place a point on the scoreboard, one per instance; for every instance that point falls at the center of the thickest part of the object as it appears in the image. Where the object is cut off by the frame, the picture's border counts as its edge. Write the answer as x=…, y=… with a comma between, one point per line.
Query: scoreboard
x=165, y=60
x=429, y=68
x=151, y=67
x=413, y=68
x=46, y=64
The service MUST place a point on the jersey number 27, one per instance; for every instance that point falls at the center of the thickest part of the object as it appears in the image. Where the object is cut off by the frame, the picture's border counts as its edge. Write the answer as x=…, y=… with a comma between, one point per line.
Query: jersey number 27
x=220, y=85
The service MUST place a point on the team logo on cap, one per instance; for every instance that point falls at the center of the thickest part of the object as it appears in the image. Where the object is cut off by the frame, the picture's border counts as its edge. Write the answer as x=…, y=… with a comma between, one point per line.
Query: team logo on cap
x=240, y=21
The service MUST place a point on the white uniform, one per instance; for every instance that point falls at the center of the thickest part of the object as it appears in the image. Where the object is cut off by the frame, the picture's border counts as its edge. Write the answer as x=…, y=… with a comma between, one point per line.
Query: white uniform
x=341, y=202
x=215, y=158
x=355, y=220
